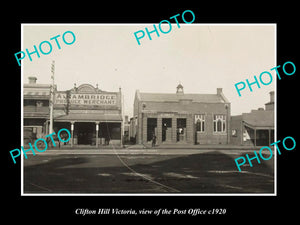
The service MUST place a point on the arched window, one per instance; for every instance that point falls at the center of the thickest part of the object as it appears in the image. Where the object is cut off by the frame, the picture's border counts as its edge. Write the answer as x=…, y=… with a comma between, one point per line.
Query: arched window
x=219, y=123
x=199, y=122
x=198, y=125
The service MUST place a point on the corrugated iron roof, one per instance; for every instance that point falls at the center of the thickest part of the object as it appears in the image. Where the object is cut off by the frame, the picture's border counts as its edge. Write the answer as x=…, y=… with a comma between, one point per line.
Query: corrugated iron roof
x=259, y=118
x=89, y=117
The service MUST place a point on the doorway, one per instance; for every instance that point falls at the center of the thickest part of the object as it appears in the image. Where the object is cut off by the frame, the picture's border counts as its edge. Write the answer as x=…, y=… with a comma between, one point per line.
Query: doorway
x=85, y=132
x=181, y=130
x=166, y=129
x=151, y=128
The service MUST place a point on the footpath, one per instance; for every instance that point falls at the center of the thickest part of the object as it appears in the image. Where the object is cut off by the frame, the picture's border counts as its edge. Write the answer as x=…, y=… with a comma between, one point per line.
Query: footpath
x=164, y=149
x=191, y=146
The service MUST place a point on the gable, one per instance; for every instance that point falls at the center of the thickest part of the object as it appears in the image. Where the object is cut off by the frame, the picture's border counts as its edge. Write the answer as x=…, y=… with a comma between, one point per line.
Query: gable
x=86, y=88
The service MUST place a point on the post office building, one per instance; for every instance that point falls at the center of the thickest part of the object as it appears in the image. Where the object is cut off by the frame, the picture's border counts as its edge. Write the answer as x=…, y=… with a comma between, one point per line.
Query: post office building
x=181, y=118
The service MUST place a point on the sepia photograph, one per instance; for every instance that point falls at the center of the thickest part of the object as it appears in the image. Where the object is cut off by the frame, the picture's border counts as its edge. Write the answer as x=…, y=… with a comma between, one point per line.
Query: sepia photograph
x=131, y=109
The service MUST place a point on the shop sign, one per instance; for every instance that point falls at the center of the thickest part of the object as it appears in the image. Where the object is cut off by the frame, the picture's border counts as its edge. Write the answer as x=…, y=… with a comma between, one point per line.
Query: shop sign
x=164, y=115
x=86, y=99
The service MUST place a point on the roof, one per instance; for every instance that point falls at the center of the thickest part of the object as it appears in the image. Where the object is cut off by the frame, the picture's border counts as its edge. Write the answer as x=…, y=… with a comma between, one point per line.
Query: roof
x=259, y=119
x=29, y=93
x=179, y=86
x=163, y=97
x=36, y=91
x=86, y=117
x=36, y=85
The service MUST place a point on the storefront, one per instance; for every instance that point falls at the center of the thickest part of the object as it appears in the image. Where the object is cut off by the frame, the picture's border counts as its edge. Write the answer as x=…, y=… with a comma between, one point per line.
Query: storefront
x=255, y=128
x=181, y=118
x=93, y=116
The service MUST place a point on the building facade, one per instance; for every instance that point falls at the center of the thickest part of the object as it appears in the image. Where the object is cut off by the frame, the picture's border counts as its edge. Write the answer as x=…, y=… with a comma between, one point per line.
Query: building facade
x=255, y=128
x=181, y=118
x=35, y=110
x=93, y=116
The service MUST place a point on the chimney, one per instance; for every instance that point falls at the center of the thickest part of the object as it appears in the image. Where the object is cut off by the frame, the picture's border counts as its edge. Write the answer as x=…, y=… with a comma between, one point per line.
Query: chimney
x=260, y=109
x=219, y=91
x=270, y=105
x=32, y=80
x=271, y=96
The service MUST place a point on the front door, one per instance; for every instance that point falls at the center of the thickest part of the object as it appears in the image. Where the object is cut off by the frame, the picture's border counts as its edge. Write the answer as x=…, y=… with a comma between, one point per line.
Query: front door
x=181, y=130
x=83, y=138
x=166, y=129
x=85, y=133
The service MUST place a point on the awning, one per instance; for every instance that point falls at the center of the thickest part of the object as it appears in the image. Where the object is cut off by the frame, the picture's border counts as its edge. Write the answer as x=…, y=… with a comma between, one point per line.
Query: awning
x=91, y=117
x=259, y=119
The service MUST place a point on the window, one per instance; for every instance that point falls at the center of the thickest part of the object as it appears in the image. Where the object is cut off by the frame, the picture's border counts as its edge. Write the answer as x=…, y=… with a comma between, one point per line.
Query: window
x=39, y=103
x=135, y=120
x=219, y=124
x=234, y=132
x=200, y=121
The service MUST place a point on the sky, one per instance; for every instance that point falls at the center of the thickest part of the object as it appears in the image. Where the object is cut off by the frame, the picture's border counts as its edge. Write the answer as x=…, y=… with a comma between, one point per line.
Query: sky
x=202, y=57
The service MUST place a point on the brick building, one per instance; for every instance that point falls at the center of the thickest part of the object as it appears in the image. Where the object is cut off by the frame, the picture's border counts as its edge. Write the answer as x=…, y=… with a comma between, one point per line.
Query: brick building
x=181, y=118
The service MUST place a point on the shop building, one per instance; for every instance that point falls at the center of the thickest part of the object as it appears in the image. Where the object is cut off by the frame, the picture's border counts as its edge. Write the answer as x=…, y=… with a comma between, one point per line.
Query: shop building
x=93, y=116
x=255, y=128
x=181, y=118
x=35, y=110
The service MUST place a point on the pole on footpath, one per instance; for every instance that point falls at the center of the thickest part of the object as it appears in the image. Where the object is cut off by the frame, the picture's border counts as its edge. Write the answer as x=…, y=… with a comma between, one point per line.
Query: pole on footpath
x=51, y=97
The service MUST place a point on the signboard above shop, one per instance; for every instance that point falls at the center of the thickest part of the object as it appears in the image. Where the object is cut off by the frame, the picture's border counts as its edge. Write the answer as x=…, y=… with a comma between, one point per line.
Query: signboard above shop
x=86, y=99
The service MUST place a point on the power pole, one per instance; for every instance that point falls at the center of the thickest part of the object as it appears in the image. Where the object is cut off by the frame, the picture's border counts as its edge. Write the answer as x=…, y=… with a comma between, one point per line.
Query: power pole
x=67, y=106
x=51, y=97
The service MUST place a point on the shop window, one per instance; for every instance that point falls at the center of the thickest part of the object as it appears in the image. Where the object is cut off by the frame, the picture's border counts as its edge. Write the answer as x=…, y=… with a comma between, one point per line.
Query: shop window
x=200, y=121
x=219, y=124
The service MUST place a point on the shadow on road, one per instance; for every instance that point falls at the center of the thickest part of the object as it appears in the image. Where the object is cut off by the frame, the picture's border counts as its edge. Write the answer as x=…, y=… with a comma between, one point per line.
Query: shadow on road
x=212, y=172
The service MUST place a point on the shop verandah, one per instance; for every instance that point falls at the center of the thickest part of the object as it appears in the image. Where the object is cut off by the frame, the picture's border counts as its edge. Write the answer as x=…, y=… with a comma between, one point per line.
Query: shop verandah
x=90, y=133
x=258, y=128
x=257, y=136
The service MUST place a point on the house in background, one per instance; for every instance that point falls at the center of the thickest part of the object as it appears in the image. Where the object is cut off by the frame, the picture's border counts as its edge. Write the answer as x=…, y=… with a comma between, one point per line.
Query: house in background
x=255, y=128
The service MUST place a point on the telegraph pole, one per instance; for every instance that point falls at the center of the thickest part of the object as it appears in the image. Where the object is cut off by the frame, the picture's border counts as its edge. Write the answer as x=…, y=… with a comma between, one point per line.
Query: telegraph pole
x=51, y=97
